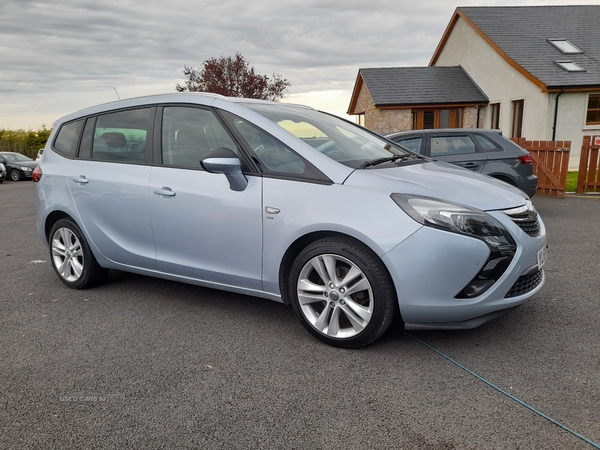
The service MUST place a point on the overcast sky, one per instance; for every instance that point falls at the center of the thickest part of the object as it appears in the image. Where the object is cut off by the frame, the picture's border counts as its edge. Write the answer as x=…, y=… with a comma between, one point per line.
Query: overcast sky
x=58, y=56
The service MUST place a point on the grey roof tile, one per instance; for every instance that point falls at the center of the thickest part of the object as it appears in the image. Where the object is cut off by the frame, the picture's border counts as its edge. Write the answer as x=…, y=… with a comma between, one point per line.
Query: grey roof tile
x=522, y=32
x=398, y=86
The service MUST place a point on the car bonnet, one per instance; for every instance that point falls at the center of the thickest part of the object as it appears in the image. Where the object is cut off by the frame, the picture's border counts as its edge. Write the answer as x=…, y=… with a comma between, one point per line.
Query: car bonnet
x=442, y=181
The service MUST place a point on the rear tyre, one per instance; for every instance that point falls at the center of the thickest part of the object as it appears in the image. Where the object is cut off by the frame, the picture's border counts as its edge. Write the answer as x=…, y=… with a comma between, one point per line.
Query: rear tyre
x=72, y=258
x=341, y=293
x=15, y=175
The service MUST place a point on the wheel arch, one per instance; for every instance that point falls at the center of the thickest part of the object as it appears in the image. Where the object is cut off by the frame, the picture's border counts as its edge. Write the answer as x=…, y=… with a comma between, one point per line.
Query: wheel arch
x=52, y=218
x=302, y=242
x=504, y=177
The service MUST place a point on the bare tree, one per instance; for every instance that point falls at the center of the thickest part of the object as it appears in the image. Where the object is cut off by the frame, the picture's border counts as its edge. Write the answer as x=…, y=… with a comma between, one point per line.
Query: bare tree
x=232, y=77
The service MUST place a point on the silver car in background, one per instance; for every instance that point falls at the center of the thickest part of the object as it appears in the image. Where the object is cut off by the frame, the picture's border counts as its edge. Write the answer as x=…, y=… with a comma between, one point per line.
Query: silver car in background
x=287, y=203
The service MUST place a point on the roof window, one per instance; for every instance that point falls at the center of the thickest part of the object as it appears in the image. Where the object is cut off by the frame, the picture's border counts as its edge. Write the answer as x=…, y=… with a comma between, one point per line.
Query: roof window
x=569, y=66
x=565, y=46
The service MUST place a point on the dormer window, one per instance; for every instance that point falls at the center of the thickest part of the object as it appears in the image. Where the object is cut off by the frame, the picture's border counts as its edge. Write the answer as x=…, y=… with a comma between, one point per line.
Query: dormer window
x=565, y=46
x=569, y=66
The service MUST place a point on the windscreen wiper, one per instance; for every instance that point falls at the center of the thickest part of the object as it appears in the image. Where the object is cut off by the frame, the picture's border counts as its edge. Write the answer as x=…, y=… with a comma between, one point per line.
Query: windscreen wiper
x=377, y=161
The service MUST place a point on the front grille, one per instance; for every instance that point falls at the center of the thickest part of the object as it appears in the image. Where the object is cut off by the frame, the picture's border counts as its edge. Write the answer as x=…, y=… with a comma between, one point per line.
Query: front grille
x=525, y=284
x=526, y=219
x=530, y=226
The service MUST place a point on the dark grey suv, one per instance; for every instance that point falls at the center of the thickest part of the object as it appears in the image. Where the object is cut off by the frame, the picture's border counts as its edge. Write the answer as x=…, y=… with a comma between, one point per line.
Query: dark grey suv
x=484, y=151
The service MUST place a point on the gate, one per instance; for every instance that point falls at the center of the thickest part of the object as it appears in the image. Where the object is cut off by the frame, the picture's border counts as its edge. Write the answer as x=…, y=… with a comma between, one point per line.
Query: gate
x=589, y=177
x=550, y=164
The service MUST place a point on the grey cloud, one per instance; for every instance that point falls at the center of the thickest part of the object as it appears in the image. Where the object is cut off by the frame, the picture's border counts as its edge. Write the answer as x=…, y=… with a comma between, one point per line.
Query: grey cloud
x=67, y=46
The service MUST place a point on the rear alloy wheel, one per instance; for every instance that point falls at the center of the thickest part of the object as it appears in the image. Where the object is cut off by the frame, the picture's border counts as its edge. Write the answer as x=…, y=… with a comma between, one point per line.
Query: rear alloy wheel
x=72, y=257
x=15, y=175
x=342, y=293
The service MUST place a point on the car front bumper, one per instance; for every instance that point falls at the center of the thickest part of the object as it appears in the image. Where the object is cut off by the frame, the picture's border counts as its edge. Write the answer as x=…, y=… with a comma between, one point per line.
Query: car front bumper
x=432, y=266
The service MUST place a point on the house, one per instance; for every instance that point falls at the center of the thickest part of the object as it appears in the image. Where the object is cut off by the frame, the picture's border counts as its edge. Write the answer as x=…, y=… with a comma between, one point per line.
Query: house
x=539, y=66
x=405, y=98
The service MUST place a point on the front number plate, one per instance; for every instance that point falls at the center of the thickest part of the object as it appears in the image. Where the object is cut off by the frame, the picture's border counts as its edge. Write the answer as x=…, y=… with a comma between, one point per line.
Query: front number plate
x=541, y=257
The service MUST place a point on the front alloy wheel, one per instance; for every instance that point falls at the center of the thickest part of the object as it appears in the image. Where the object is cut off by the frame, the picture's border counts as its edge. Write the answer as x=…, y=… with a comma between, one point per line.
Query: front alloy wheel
x=15, y=175
x=342, y=293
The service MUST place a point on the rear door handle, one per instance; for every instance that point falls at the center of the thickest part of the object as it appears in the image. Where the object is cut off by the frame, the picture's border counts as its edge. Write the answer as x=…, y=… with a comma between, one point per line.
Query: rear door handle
x=81, y=180
x=468, y=165
x=164, y=192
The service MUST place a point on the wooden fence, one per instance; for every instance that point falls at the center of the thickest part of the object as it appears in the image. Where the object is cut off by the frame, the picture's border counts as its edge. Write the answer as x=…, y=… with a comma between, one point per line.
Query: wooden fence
x=589, y=165
x=550, y=164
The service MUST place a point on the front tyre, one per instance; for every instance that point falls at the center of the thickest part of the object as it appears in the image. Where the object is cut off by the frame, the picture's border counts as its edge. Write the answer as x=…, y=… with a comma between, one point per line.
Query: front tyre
x=342, y=293
x=72, y=258
x=15, y=175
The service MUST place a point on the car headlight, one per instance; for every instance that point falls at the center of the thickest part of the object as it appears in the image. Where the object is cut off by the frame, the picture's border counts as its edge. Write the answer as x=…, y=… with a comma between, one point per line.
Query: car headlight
x=455, y=218
x=26, y=169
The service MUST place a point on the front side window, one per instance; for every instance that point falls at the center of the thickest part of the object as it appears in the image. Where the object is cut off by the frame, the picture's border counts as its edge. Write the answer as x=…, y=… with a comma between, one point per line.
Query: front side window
x=121, y=136
x=67, y=138
x=190, y=134
x=593, y=110
x=277, y=157
x=451, y=145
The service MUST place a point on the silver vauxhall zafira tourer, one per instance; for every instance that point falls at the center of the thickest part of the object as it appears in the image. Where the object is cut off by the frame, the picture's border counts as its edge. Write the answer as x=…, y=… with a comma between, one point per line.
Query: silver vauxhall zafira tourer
x=287, y=203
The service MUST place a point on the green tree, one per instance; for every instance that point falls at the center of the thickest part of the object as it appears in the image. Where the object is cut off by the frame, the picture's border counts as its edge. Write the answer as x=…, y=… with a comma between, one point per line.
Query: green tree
x=232, y=77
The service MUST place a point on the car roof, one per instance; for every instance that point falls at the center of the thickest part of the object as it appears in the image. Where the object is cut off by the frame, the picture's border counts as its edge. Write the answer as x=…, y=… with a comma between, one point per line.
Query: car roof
x=447, y=131
x=204, y=98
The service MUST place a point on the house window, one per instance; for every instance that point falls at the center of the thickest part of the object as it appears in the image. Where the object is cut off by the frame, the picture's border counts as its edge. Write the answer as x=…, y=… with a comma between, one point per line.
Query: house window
x=437, y=118
x=495, y=116
x=570, y=66
x=565, y=46
x=517, y=118
x=361, y=120
x=593, y=110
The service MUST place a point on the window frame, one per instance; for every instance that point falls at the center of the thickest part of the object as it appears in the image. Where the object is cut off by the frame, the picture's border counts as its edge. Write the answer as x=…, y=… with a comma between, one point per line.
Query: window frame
x=588, y=109
x=262, y=170
x=495, y=115
x=148, y=151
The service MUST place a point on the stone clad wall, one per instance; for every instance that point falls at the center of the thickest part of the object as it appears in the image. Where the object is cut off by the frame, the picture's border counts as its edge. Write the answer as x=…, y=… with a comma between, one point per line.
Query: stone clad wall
x=385, y=121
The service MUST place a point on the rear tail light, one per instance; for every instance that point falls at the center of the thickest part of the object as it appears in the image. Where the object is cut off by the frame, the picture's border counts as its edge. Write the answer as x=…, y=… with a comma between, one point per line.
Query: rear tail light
x=526, y=159
x=37, y=174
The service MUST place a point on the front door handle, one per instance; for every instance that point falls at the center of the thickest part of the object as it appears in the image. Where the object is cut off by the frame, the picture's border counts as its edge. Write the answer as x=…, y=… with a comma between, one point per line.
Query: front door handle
x=164, y=192
x=81, y=180
x=468, y=165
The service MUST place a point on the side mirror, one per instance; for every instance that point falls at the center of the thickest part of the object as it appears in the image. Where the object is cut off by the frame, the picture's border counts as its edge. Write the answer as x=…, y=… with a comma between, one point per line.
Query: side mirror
x=223, y=160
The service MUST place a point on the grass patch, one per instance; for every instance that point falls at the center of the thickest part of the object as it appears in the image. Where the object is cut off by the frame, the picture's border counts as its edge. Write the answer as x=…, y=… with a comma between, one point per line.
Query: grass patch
x=571, y=181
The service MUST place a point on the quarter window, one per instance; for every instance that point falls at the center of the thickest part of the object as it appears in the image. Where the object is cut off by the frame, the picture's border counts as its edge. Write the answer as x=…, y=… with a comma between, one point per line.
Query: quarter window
x=121, y=136
x=486, y=144
x=413, y=144
x=190, y=134
x=67, y=139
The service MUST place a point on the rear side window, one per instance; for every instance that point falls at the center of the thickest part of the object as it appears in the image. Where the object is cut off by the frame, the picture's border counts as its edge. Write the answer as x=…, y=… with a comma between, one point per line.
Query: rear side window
x=413, y=144
x=451, y=145
x=67, y=138
x=121, y=136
